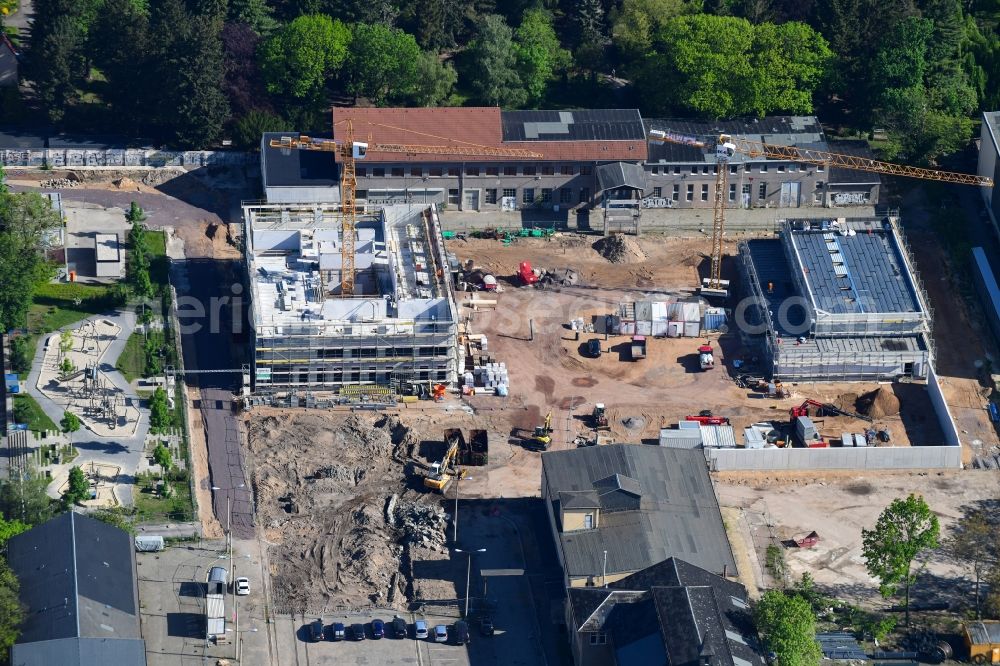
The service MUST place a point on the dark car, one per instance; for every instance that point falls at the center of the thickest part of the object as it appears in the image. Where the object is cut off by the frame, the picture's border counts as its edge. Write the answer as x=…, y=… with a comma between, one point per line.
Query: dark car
x=358, y=631
x=594, y=348
x=378, y=629
x=486, y=625
x=316, y=631
x=461, y=632
x=337, y=631
x=399, y=627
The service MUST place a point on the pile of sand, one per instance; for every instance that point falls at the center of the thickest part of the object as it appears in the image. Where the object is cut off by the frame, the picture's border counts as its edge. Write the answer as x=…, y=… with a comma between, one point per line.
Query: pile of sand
x=620, y=249
x=879, y=403
x=847, y=402
x=124, y=184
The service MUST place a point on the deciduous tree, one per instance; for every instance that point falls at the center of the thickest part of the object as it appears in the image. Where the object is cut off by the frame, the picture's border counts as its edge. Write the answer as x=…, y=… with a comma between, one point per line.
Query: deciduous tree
x=788, y=626
x=539, y=55
x=492, y=72
x=904, y=530
x=11, y=610
x=25, y=499
x=161, y=455
x=78, y=489
x=24, y=219
x=972, y=542
x=435, y=81
x=70, y=422
x=382, y=63
x=298, y=59
x=159, y=410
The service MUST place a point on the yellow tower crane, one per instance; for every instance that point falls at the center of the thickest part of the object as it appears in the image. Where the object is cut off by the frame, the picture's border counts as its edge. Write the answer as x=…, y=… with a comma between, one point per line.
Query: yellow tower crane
x=351, y=151
x=727, y=146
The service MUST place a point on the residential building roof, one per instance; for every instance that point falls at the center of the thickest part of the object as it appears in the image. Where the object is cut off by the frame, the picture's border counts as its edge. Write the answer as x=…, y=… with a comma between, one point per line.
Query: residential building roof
x=655, y=502
x=672, y=612
x=583, y=135
x=283, y=167
x=781, y=130
x=78, y=585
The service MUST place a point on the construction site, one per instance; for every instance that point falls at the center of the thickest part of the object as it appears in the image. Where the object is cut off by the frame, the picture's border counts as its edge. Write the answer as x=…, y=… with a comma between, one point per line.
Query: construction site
x=397, y=326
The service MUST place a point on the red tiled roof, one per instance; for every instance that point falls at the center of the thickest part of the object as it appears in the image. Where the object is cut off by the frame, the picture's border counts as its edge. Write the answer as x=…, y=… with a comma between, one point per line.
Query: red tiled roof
x=466, y=125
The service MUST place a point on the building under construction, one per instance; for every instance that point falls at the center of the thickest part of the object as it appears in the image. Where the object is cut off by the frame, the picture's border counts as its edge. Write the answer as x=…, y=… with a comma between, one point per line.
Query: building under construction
x=835, y=300
x=396, y=332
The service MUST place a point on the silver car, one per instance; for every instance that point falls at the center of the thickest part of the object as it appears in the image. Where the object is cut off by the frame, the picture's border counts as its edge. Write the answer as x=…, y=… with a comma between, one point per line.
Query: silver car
x=420, y=629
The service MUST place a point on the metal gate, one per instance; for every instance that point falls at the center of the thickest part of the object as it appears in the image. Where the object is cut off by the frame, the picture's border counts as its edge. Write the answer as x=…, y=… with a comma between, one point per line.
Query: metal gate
x=470, y=200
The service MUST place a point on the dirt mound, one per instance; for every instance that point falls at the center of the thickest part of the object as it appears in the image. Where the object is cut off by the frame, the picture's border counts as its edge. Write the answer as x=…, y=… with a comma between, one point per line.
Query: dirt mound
x=879, y=403
x=847, y=402
x=124, y=184
x=620, y=249
x=328, y=498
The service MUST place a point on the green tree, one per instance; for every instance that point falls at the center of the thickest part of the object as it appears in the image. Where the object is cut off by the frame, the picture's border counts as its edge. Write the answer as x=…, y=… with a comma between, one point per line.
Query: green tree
x=788, y=627
x=540, y=57
x=11, y=610
x=9, y=528
x=298, y=59
x=635, y=24
x=589, y=23
x=120, y=46
x=25, y=499
x=973, y=544
x=722, y=66
x=22, y=412
x=905, y=529
x=439, y=22
x=248, y=130
x=69, y=423
x=255, y=13
x=382, y=63
x=55, y=60
x=159, y=410
x=121, y=517
x=161, y=456
x=21, y=354
x=65, y=341
x=24, y=219
x=78, y=488
x=435, y=81
x=134, y=215
x=492, y=61
x=137, y=269
x=67, y=367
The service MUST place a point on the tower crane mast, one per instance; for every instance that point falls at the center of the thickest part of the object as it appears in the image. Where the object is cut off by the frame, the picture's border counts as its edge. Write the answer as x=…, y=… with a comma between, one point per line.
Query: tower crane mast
x=726, y=146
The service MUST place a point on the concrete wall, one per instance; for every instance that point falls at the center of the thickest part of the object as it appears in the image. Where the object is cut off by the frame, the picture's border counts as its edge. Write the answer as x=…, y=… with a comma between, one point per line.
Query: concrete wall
x=989, y=144
x=942, y=412
x=869, y=458
x=121, y=157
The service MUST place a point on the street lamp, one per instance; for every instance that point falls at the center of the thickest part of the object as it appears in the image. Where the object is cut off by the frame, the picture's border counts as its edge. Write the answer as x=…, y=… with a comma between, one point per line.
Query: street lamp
x=468, y=574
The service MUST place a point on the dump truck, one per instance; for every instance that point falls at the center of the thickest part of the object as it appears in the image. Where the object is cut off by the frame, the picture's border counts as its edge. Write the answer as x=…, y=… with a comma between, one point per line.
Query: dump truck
x=983, y=640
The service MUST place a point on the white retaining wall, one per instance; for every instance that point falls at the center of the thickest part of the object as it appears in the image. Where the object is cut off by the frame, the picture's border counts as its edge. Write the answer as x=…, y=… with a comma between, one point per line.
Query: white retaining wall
x=57, y=158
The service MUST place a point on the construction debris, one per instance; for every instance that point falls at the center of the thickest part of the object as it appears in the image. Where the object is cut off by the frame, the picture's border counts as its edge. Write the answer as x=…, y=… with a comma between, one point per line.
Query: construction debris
x=58, y=183
x=620, y=249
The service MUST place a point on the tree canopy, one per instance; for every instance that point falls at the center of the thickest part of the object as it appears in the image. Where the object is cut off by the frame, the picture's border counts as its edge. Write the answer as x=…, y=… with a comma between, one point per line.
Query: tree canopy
x=298, y=59
x=77, y=488
x=492, y=65
x=383, y=63
x=24, y=219
x=788, y=626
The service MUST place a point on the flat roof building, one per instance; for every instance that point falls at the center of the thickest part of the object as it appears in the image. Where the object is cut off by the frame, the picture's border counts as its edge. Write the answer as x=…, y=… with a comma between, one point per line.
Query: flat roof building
x=639, y=504
x=398, y=327
x=79, y=588
x=836, y=300
x=107, y=254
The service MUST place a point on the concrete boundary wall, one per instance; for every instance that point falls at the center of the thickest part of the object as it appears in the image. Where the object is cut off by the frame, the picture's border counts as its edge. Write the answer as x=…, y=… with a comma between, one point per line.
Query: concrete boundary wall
x=948, y=426
x=870, y=458
x=60, y=158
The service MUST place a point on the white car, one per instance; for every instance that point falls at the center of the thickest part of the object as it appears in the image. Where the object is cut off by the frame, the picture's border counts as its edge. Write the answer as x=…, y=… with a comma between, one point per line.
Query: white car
x=242, y=586
x=440, y=634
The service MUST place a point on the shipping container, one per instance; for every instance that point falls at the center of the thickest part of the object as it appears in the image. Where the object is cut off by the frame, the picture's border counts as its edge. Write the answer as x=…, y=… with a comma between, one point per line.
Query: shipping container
x=715, y=319
x=675, y=329
x=692, y=329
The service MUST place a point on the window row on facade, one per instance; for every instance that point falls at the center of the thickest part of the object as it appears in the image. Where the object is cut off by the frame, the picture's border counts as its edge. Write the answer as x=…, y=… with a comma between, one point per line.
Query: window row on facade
x=454, y=171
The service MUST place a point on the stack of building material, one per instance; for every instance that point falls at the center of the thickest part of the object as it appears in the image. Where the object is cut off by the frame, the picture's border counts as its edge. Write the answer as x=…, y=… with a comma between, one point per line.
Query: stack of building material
x=493, y=376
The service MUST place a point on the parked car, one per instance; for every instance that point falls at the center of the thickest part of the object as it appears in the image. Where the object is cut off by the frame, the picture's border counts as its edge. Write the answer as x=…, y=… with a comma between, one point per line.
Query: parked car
x=440, y=634
x=420, y=629
x=242, y=586
x=594, y=348
x=316, y=631
x=358, y=631
x=486, y=625
x=378, y=629
x=337, y=632
x=461, y=632
x=399, y=627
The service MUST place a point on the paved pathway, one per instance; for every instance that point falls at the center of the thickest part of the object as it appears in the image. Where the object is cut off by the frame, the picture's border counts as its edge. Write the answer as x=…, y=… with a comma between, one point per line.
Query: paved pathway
x=125, y=452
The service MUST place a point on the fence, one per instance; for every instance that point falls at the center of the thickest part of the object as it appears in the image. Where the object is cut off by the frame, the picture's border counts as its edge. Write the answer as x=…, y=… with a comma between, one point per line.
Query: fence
x=59, y=158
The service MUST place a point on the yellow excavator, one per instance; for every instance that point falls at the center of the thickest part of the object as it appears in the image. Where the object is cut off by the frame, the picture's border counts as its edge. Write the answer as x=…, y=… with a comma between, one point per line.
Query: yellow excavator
x=441, y=474
x=542, y=436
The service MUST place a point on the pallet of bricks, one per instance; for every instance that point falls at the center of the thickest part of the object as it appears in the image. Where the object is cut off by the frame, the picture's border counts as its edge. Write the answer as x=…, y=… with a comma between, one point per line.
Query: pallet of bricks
x=485, y=372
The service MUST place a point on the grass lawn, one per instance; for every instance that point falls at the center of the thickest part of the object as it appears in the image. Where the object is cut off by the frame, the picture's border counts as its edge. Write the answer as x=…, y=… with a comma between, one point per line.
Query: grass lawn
x=132, y=361
x=36, y=419
x=159, y=265
x=55, y=305
x=151, y=507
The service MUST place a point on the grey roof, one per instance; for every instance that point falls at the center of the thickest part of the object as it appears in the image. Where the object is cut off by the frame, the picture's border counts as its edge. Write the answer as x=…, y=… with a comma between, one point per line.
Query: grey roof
x=840, y=646
x=581, y=499
x=77, y=580
x=578, y=125
x=781, y=130
x=296, y=168
x=678, y=513
x=863, y=273
x=692, y=614
x=855, y=148
x=80, y=652
x=621, y=174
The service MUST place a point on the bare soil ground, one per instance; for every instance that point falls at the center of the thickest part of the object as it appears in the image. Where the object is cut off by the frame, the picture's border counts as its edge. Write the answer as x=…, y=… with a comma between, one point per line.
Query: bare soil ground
x=779, y=507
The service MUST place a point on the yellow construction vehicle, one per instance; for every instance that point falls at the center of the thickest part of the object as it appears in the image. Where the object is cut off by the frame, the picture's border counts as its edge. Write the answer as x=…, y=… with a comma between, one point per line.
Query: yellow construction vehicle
x=441, y=474
x=350, y=151
x=542, y=436
x=726, y=147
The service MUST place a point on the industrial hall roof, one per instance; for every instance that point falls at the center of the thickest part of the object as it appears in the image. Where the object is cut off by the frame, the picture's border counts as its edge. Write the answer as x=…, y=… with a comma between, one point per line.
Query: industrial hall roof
x=590, y=135
x=285, y=167
x=655, y=503
x=78, y=585
x=780, y=130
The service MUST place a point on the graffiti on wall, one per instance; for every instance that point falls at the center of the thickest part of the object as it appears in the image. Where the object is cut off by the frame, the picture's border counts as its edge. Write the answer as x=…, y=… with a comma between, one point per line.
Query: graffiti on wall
x=850, y=198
